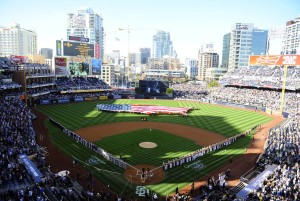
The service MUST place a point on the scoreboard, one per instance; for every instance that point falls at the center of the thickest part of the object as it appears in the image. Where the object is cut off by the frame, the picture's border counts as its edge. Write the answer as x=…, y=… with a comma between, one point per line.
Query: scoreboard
x=78, y=49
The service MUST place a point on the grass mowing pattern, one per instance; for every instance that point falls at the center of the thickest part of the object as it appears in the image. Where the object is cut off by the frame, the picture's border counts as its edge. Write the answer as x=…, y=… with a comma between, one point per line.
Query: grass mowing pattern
x=168, y=146
x=113, y=175
x=225, y=121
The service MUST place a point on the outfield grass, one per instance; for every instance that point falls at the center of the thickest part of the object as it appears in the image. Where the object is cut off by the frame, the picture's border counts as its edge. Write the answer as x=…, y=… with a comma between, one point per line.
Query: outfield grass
x=226, y=121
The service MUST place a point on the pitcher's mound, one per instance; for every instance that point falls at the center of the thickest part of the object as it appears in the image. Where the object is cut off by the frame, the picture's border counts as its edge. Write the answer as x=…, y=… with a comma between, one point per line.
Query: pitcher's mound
x=148, y=145
x=133, y=174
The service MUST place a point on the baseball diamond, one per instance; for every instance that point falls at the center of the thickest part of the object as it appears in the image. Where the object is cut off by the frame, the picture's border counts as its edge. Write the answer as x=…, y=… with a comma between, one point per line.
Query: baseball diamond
x=177, y=137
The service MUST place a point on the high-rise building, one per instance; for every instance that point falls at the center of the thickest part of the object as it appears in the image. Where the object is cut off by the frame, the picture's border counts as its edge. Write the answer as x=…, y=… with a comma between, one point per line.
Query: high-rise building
x=134, y=58
x=225, y=50
x=162, y=45
x=191, y=68
x=245, y=40
x=86, y=24
x=240, y=45
x=165, y=63
x=15, y=40
x=207, y=59
x=145, y=54
x=47, y=53
x=292, y=37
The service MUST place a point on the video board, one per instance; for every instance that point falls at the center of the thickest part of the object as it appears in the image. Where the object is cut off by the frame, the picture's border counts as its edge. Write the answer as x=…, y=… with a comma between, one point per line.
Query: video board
x=153, y=87
x=79, y=68
x=96, y=66
x=78, y=49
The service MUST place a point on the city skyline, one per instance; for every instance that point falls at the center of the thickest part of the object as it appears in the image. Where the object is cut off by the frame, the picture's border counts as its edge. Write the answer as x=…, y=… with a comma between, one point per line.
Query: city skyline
x=190, y=23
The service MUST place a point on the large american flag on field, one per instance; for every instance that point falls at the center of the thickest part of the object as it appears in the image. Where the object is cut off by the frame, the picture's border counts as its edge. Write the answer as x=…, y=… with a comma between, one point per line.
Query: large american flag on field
x=153, y=109
x=143, y=109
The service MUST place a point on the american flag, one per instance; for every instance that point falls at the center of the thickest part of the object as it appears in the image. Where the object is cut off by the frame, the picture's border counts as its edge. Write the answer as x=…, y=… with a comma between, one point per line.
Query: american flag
x=143, y=109
x=152, y=109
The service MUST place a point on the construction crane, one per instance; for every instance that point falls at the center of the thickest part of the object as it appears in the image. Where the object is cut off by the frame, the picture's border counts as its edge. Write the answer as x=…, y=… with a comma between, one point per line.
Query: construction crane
x=129, y=30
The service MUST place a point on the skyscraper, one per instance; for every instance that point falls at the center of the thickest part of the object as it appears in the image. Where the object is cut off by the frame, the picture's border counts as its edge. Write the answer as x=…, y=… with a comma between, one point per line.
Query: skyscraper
x=47, y=53
x=207, y=59
x=292, y=37
x=86, y=24
x=191, y=68
x=225, y=50
x=15, y=40
x=245, y=40
x=162, y=45
x=145, y=54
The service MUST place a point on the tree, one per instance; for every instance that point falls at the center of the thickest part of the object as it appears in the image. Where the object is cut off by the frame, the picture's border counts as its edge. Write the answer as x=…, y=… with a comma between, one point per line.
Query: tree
x=169, y=91
x=213, y=83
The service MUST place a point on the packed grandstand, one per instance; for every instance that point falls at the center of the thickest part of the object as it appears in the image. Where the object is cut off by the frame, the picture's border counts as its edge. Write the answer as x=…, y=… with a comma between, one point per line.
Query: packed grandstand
x=257, y=88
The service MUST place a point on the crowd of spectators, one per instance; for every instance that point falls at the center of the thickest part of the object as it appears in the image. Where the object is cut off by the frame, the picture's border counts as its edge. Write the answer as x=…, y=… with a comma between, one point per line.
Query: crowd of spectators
x=189, y=91
x=282, y=149
x=17, y=137
x=40, y=84
x=263, y=76
x=3, y=65
x=80, y=83
x=7, y=83
x=38, y=91
x=283, y=143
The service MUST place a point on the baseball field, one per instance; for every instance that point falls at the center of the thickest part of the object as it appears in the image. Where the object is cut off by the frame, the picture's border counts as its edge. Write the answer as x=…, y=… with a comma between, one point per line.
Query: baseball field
x=121, y=134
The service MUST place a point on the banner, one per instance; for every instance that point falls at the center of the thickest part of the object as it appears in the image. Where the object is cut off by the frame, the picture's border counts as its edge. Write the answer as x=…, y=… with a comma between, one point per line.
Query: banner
x=102, y=97
x=80, y=39
x=97, y=51
x=31, y=168
x=60, y=64
x=63, y=100
x=78, y=69
x=96, y=66
x=58, y=48
x=45, y=101
x=87, y=90
x=14, y=59
x=117, y=96
x=79, y=99
x=91, y=98
x=274, y=60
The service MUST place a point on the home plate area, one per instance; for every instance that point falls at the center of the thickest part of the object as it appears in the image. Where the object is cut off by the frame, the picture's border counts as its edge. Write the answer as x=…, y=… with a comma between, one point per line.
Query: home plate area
x=144, y=174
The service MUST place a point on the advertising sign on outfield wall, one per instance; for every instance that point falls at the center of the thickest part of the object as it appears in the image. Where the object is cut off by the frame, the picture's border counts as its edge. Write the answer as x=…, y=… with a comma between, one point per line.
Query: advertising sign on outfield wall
x=274, y=60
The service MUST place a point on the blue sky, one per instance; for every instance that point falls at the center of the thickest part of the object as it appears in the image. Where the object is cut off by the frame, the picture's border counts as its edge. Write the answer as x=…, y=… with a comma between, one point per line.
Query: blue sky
x=190, y=22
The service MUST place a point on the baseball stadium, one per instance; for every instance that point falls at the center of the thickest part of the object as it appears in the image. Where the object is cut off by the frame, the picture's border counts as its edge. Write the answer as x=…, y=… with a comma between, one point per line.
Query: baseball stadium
x=201, y=143
x=83, y=127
